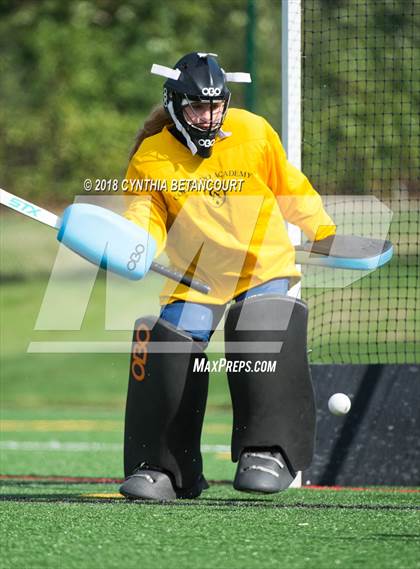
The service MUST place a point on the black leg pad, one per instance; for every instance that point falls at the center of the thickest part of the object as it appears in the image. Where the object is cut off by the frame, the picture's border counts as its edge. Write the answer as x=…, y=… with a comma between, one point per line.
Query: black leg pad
x=271, y=408
x=166, y=401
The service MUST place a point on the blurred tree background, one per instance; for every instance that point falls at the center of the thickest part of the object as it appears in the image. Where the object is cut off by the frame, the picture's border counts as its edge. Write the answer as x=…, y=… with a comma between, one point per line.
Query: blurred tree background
x=75, y=82
x=75, y=85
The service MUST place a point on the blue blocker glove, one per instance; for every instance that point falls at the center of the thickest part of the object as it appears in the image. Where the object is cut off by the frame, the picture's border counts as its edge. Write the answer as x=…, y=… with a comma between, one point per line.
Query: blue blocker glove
x=108, y=240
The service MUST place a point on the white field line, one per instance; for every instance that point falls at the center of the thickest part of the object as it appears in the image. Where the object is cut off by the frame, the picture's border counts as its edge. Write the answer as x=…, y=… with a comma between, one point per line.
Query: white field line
x=48, y=446
x=109, y=347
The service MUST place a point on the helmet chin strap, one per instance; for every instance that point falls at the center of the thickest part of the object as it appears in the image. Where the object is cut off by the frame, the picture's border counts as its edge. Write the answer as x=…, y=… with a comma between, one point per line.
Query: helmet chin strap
x=181, y=129
x=224, y=134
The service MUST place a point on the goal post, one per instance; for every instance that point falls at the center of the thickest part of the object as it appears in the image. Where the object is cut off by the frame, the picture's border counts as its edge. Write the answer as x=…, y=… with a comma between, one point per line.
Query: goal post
x=291, y=78
x=291, y=48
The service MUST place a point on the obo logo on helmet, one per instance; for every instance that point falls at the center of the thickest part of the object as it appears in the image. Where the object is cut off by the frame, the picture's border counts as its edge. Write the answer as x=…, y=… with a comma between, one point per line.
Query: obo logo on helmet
x=207, y=142
x=211, y=91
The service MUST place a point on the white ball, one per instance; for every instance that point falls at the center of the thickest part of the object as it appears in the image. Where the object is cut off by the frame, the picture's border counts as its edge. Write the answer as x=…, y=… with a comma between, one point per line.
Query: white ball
x=339, y=404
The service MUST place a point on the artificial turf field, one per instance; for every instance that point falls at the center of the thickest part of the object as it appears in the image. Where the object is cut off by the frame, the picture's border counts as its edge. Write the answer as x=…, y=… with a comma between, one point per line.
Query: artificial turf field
x=61, y=431
x=61, y=507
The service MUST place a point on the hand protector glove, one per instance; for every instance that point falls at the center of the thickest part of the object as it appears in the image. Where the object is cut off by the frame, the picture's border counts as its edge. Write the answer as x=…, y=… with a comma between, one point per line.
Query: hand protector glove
x=107, y=239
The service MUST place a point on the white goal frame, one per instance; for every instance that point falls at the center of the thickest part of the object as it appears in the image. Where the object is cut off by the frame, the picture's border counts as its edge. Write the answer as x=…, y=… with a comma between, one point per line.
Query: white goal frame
x=291, y=66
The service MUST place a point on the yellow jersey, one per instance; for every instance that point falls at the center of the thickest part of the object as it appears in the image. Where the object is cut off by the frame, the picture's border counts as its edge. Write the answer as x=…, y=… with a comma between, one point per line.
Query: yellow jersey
x=222, y=218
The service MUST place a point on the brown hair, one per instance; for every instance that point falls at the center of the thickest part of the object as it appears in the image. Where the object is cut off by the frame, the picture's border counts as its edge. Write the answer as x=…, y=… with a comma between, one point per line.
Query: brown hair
x=154, y=123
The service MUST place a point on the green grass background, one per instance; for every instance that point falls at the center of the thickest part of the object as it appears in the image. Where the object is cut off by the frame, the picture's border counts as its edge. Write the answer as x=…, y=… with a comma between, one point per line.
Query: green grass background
x=298, y=529
x=46, y=525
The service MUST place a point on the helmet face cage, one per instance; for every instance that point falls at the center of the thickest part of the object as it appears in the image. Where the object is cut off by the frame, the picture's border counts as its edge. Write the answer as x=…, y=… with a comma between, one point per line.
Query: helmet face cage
x=188, y=112
x=204, y=115
x=197, y=101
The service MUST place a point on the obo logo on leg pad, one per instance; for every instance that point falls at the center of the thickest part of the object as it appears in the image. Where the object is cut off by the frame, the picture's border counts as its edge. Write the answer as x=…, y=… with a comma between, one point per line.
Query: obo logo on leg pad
x=139, y=359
